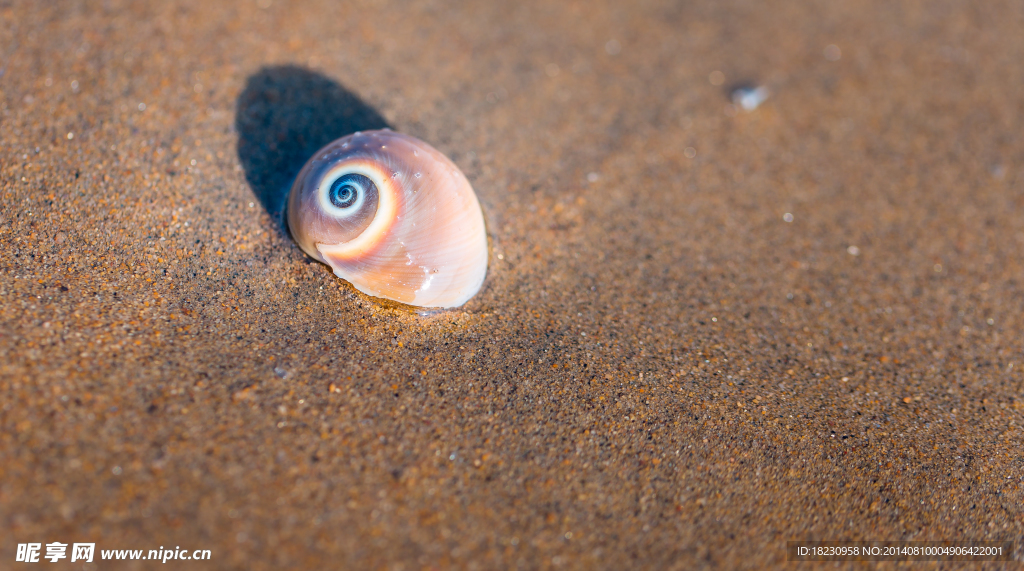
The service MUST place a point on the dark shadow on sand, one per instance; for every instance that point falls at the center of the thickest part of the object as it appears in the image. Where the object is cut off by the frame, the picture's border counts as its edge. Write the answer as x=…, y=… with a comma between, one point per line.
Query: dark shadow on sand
x=285, y=114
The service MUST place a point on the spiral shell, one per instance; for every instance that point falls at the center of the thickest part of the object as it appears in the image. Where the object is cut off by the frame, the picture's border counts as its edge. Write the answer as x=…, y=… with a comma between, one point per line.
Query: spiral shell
x=392, y=216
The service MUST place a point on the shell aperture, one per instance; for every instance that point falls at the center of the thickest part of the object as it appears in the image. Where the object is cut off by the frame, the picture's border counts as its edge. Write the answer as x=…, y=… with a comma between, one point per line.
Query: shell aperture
x=392, y=216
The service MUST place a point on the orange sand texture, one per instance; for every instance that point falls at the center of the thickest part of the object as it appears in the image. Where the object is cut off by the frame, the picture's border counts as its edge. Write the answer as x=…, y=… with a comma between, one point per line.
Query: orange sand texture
x=661, y=371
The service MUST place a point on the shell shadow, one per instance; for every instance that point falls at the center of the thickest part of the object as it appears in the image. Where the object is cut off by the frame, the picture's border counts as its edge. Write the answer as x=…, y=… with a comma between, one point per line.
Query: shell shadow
x=285, y=114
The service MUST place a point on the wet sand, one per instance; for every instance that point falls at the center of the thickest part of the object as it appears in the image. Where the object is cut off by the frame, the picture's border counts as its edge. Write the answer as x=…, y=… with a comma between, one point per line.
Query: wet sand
x=704, y=331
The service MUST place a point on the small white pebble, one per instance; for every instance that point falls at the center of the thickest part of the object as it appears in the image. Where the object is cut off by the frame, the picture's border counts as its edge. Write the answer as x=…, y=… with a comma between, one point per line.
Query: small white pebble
x=750, y=98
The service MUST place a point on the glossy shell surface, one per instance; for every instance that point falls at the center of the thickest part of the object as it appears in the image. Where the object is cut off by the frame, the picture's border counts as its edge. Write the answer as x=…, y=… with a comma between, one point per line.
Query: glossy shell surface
x=392, y=216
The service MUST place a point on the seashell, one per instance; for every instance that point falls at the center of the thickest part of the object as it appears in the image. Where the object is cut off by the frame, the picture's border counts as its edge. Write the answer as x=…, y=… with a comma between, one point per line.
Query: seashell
x=392, y=216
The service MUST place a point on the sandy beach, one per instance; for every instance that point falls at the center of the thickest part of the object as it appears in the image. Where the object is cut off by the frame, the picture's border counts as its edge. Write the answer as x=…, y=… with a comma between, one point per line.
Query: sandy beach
x=705, y=330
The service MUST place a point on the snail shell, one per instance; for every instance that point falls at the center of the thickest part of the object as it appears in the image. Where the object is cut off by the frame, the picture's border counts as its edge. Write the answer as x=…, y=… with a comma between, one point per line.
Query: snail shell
x=392, y=216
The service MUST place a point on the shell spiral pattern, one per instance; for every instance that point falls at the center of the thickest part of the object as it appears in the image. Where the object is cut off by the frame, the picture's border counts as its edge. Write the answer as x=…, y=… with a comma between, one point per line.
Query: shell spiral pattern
x=392, y=216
